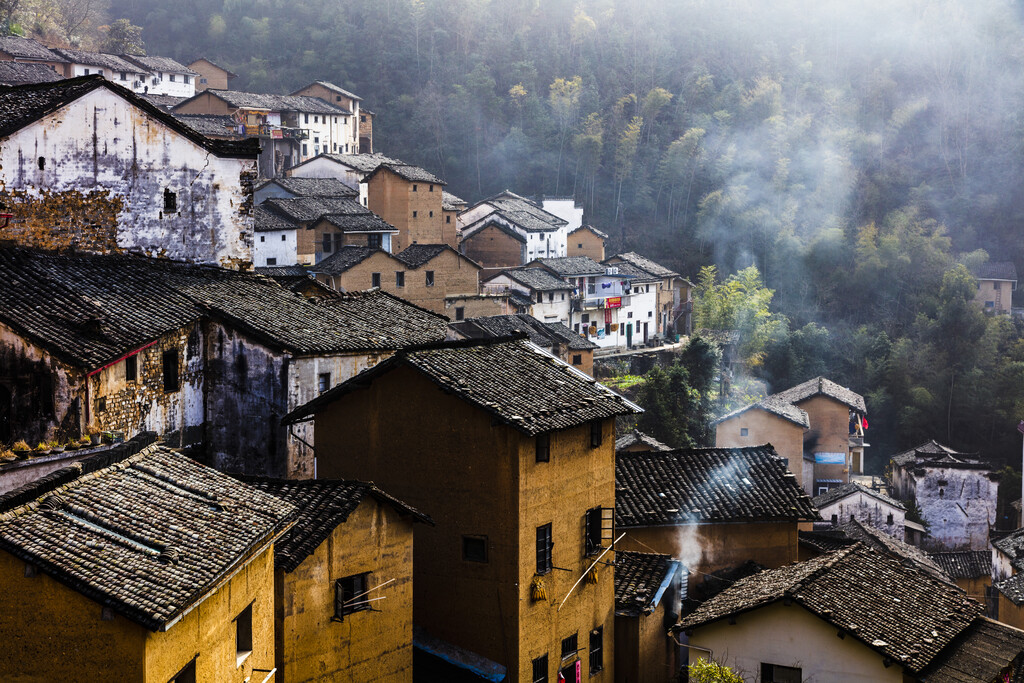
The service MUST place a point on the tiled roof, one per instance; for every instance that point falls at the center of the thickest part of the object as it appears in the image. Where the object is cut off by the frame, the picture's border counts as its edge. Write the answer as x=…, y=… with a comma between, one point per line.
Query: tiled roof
x=1013, y=588
x=837, y=493
x=309, y=209
x=99, y=59
x=210, y=124
x=314, y=187
x=385, y=321
x=251, y=100
x=164, y=64
x=825, y=541
x=591, y=228
x=909, y=555
x=934, y=453
x=406, y=172
x=819, y=386
x=416, y=255
x=786, y=411
x=634, y=437
x=646, y=264
x=25, y=104
x=345, y=257
x=1012, y=545
x=165, y=102
x=706, y=485
x=450, y=202
x=517, y=382
x=359, y=222
x=266, y=221
x=335, y=88
x=91, y=310
x=537, y=279
x=525, y=213
x=897, y=611
x=364, y=163
x=638, y=576
x=26, y=48
x=540, y=333
x=572, y=266
x=148, y=536
x=19, y=73
x=996, y=270
x=321, y=506
x=964, y=564
x=635, y=274
x=984, y=651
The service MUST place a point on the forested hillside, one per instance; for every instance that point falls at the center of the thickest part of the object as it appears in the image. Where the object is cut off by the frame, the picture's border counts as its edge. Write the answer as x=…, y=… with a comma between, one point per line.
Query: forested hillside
x=854, y=153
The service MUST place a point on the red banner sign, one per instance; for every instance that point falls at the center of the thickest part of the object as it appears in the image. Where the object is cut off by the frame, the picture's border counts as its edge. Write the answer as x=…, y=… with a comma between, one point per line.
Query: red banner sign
x=613, y=302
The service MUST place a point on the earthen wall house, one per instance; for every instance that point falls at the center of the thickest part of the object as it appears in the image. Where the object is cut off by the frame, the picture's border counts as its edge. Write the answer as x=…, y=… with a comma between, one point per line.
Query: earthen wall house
x=758, y=426
x=211, y=75
x=410, y=199
x=586, y=241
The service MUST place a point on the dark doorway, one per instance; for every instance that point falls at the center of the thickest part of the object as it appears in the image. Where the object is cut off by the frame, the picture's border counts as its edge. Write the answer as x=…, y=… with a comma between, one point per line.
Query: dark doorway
x=629, y=335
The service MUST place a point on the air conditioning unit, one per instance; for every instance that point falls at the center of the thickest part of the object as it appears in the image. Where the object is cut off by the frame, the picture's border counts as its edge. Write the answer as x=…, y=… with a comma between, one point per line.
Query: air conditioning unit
x=612, y=270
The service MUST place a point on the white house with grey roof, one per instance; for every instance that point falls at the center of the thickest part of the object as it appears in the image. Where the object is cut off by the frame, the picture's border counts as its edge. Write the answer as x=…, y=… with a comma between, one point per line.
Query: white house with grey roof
x=550, y=296
x=854, y=501
x=542, y=233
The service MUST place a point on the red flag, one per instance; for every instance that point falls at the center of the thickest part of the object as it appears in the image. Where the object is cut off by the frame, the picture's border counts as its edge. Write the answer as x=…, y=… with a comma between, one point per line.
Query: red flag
x=864, y=422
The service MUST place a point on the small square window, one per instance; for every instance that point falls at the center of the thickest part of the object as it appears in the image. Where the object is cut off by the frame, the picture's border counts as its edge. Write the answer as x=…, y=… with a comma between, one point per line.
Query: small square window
x=543, y=447
x=474, y=548
x=414, y=188
x=399, y=278
x=744, y=431
x=577, y=358
x=170, y=201
x=272, y=261
x=415, y=213
x=243, y=635
x=460, y=313
x=263, y=238
x=350, y=595
x=323, y=382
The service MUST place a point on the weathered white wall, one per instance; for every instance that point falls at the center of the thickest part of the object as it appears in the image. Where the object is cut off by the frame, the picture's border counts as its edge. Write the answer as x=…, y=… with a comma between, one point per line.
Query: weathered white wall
x=280, y=245
x=101, y=142
x=183, y=85
x=959, y=506
x=867, y=510
x=791, y=636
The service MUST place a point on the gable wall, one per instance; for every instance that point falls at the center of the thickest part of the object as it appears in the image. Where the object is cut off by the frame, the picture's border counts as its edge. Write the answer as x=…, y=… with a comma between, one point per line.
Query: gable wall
x=106, y=167
x=764, y=427
x=585, y=243
x=493, y=249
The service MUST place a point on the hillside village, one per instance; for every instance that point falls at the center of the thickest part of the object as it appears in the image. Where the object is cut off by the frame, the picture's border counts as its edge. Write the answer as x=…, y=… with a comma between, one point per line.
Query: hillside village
x=277, y=406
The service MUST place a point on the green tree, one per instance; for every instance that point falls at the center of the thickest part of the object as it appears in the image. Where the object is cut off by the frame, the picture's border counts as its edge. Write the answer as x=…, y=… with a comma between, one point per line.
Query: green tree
x=740, y=304
x=123, y=38
x=706, y=671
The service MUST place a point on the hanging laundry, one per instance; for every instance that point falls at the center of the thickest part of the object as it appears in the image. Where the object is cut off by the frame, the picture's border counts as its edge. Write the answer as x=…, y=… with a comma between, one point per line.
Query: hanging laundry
x=606, y=285
x=864, y=423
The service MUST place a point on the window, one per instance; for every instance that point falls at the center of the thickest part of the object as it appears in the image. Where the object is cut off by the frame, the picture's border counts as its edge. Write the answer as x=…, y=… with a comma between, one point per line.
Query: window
x=540, y=297
x=187, y=79
x=374, y=241
x=171, y=78
x=323, y=382
x=597, y=649
x=124, y=76
x=544, y=546
x=592, y=531
x=243, y=635
x=282, y=238
x=430, y=278
x=202, y=80
x=835, y=518
x=170, y=363
x=170, y=201
x=431, y=188
x=995, y=286
x=305, y=149
x=629, y=315
x=540, y=669
x=375, y=280
x=399, y=278
x=414, y=188
x=569, y=646
x=430, y=214
x=474, y=548
x=350, y=595
x=307, y=117
x=595, y=433
x=577, y=358
x=744, y=431
x=650, y=314
x=328, y=243
x=42, y=163
x=579, y=245
x=585, y=318
x=362, y=117
x=131, y=368
x=263, y=238
x=415, y=213
x=448, y=219
x=272, y=261
x=86, y=72
x=316, y=119
x=543, y=448
x=101, y=404
x=186, y=675
x=774, y=673
x=460, y=313
x=888, y=520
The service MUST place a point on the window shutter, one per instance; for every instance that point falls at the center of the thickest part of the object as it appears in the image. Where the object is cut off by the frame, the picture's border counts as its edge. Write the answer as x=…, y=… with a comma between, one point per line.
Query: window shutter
x=607, y=527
